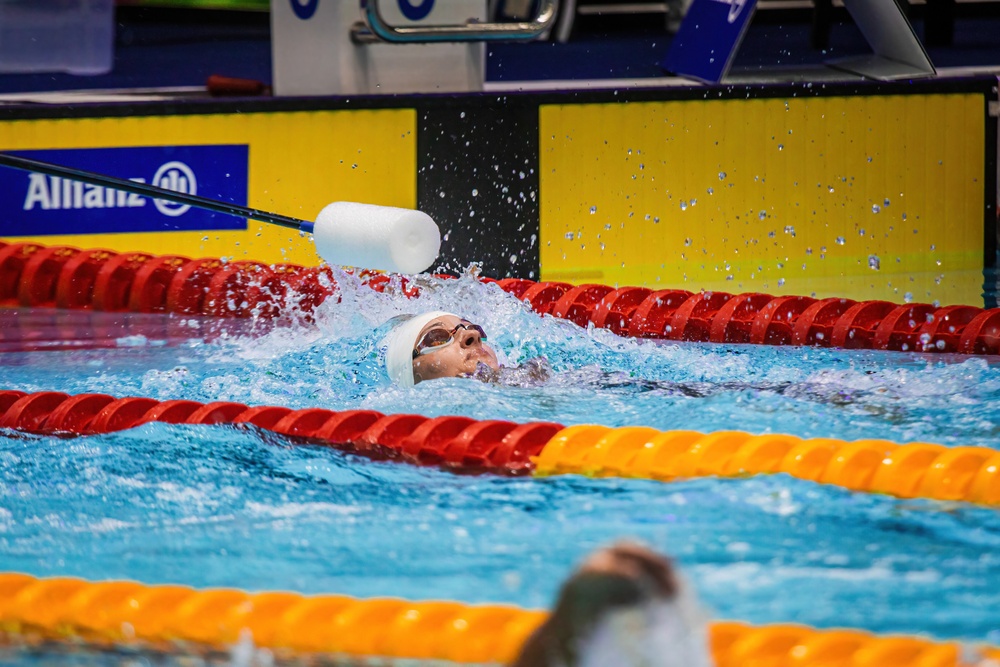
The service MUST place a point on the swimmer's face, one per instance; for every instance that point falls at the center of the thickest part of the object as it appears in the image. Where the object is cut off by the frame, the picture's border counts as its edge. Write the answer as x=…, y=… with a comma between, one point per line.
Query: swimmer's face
x=455, y=359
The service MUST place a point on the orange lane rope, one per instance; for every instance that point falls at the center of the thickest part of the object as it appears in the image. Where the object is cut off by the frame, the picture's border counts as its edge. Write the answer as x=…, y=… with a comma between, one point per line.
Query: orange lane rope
x=125, y=612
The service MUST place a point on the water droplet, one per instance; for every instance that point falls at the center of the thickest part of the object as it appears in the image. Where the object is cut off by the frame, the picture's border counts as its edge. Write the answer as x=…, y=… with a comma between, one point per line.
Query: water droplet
x=781, y=282
x=908, y=297
x=873, y=262
x=861, y=232
x=904, y=216
x=593, y=210
x=461, y=115
x=770, y=234
x=840, y=240
x=781, y=147
x=475, y=192
x=809, y=251
x=441, y=195
x=885, y=202
x=513, y=259
x=822, y=248
x=607, y=225
x=762, y=215
x=569, y=236
x=711, y=191
x=933, y=247
x=875, y=208
x=722, y=175
x=869, y=158
x=684, y=205
x=687, y=242
x=830, y=187
x=790, y=230
x=693, y=202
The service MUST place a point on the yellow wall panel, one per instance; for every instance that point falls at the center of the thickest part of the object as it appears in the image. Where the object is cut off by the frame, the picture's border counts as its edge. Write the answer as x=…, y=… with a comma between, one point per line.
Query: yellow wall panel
x=299, y=162
x=864, y=197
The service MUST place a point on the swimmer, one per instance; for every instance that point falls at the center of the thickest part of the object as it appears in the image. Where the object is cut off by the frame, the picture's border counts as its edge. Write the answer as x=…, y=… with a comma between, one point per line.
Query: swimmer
x=624, y=606
x=439, y=344
x=436, y=345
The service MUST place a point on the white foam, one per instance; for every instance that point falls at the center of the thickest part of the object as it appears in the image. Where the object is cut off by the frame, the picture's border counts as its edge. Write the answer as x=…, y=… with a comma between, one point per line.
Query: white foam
x=292, y=510
x=366, y=236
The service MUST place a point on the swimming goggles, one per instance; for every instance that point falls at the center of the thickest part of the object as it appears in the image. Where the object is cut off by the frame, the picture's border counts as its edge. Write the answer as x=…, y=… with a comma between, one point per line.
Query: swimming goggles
x=440, y=337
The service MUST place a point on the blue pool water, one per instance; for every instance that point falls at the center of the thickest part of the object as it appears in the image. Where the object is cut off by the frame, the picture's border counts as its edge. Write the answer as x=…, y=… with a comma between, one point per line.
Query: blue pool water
x=219, y=506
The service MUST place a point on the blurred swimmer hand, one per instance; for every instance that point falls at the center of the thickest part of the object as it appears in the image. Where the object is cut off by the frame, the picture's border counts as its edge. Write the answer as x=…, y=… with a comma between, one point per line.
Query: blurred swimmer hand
x=625, y=606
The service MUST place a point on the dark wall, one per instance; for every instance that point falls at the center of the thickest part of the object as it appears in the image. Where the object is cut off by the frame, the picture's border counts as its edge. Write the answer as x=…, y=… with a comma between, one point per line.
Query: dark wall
x=477, y=177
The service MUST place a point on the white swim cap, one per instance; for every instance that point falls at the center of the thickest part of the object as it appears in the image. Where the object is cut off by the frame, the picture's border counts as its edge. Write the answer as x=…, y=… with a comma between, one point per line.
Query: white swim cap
x=399, y=344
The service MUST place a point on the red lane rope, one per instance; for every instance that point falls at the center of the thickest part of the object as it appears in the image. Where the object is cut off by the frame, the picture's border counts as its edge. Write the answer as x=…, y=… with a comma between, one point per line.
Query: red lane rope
x=39, y=276
x=455, y=443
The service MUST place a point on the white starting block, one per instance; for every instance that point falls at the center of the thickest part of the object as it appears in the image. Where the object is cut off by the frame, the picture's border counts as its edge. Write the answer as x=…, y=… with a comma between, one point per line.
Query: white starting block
x=358, y=47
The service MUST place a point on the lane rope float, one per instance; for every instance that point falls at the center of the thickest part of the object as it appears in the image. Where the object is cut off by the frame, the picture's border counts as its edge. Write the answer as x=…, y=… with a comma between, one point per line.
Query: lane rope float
x=128, y=613
x=34, y=275
x=915, y=470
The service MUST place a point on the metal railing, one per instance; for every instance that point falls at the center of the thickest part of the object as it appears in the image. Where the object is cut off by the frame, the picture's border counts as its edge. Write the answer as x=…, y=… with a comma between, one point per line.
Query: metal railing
x=376, y=29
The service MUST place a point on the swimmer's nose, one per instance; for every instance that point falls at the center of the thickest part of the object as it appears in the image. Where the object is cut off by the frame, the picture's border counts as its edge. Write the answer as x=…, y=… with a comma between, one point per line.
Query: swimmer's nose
x=468, y=337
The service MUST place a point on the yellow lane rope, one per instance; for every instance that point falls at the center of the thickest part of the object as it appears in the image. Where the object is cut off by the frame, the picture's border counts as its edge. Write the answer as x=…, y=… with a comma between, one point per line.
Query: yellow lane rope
x=124, y=612
x=916, y=470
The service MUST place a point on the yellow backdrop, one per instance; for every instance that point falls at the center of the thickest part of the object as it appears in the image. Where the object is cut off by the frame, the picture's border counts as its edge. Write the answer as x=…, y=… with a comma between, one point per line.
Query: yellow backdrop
x=865, y=197
x=299, y=162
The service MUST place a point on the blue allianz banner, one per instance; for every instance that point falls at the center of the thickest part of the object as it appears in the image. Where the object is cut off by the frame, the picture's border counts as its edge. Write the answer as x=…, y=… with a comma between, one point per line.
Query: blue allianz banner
x=709, y=36
x=34, y=204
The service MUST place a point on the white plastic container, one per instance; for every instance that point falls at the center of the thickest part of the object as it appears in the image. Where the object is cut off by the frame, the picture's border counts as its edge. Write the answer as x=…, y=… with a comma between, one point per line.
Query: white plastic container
x=75, y=36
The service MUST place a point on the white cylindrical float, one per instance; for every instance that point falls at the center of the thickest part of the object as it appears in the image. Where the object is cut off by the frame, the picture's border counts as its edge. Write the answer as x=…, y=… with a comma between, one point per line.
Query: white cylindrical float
x=399, y=240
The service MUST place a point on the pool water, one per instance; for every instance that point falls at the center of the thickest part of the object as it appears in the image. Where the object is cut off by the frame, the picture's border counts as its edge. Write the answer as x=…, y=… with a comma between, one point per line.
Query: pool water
x=212, y=506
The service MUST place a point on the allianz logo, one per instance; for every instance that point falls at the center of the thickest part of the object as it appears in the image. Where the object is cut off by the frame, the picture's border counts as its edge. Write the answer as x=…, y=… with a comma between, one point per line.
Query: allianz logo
x=735, y=7
x=52, y=193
